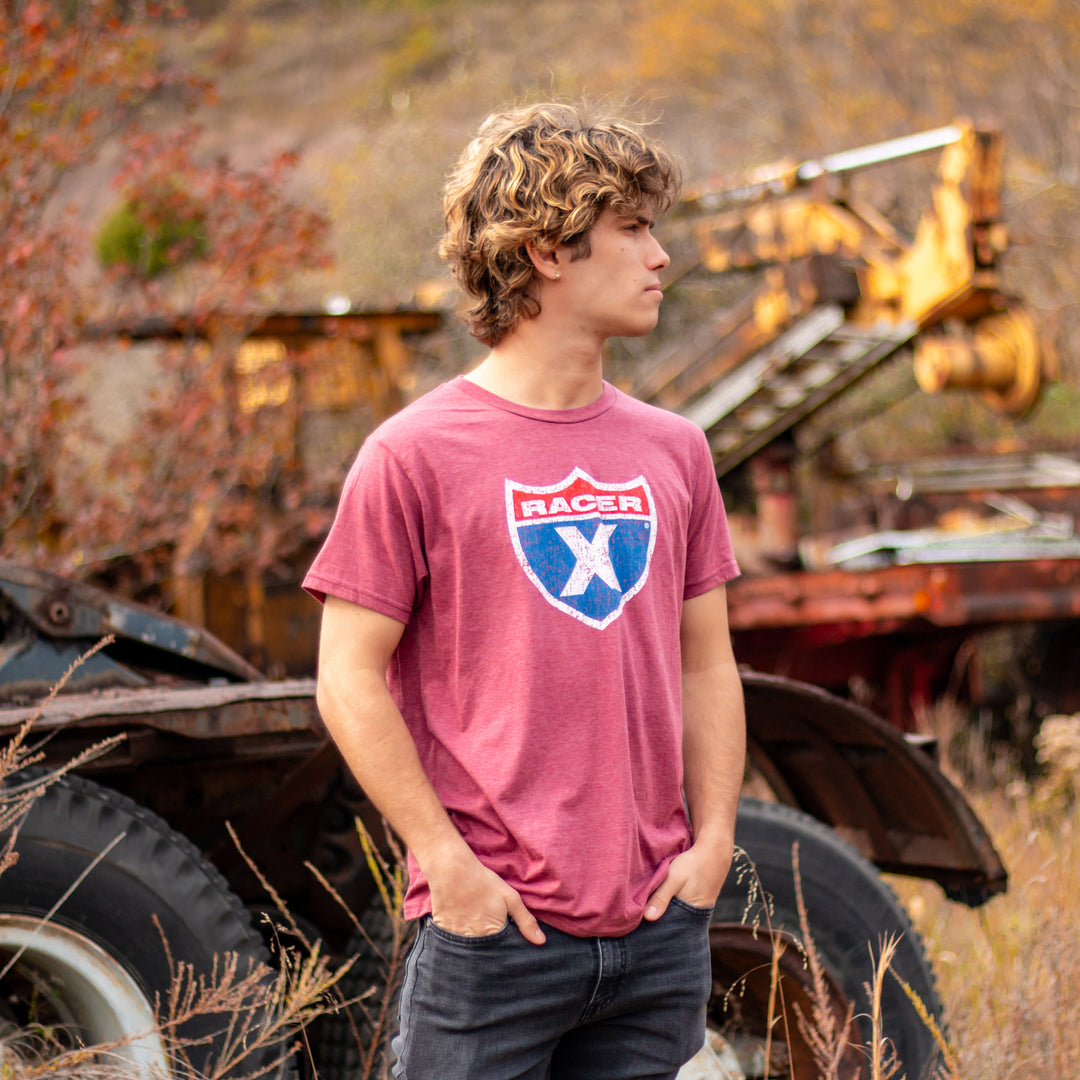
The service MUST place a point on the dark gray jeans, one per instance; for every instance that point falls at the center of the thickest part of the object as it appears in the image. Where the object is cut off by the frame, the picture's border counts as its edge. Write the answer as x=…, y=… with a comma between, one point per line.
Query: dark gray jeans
x=500, y=1008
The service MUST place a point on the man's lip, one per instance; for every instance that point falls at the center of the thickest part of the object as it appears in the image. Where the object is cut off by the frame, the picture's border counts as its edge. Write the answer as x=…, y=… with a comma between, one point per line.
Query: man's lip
x=656, y=287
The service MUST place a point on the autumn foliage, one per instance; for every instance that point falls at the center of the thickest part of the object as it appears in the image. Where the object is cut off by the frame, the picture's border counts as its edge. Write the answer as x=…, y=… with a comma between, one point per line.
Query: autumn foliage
x=67, y=79
x=206, y=246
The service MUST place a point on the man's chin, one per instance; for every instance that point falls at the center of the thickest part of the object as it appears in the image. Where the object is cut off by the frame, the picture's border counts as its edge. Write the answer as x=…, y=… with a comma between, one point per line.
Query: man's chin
x=638, y=327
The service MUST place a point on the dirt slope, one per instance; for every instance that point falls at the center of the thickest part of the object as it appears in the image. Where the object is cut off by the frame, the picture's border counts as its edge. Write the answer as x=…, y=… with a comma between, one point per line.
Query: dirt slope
x=379, y=97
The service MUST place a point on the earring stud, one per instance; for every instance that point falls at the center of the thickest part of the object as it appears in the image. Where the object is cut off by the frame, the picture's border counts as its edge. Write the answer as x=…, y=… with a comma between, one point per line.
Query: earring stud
x=558, y=276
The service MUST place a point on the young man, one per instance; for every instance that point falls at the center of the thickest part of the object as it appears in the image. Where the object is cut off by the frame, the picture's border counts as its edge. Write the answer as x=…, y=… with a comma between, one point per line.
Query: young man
x=525, y=657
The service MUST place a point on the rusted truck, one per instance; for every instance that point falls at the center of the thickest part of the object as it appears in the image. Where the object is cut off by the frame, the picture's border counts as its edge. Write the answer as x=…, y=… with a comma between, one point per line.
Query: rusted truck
x=208, y=740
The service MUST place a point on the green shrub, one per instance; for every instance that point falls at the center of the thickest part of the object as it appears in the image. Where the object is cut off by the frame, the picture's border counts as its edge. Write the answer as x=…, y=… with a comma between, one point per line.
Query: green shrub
x=150, y=243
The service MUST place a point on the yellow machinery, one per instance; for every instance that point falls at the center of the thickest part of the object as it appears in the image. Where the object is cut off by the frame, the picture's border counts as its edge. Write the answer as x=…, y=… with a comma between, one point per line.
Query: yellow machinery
x=842, y=290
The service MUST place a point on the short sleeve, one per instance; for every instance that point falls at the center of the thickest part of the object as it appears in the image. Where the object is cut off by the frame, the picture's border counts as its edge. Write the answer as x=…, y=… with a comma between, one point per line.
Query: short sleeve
x=710, y=560
x=374, y=552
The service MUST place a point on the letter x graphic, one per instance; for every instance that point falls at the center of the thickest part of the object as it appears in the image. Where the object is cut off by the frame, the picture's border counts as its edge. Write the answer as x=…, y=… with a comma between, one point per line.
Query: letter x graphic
x=593, y=559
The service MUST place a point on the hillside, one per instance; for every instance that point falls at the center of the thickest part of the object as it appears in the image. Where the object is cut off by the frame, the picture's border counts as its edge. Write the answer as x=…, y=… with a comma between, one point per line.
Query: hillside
x=378, y=98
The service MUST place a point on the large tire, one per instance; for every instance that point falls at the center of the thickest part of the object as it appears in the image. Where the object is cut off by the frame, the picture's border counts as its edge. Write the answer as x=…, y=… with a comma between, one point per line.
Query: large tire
x=101, y=952
x=347, y=1033
x=849, y=910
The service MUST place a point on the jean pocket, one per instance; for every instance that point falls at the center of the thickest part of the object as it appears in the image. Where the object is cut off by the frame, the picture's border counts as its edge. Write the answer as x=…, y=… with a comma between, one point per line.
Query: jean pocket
x=470, y=940
x=692, y=909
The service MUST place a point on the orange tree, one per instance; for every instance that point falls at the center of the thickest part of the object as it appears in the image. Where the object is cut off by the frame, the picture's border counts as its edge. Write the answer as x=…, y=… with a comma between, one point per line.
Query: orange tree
x=68, y=74
x=213, y=483
x=202, y=242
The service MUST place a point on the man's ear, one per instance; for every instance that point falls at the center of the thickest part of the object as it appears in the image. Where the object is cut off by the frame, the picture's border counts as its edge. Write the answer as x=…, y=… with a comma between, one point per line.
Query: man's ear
x=546, y=263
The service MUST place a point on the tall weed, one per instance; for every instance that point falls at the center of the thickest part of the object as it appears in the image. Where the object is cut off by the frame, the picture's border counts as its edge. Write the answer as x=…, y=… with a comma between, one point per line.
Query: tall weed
x=1009, y=972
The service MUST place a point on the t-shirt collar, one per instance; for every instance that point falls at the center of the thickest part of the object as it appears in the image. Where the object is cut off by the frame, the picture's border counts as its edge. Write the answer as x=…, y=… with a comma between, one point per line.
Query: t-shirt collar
x=550, y=416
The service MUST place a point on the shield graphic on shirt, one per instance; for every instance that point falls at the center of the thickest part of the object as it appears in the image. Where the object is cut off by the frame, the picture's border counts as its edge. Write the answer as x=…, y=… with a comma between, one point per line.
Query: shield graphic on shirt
x=585, y=544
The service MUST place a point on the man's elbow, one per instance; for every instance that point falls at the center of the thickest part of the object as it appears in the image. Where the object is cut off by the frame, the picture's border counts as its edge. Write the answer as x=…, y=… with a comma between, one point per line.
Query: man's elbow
x=345, y=693
x=323, y=694
x=337, y=688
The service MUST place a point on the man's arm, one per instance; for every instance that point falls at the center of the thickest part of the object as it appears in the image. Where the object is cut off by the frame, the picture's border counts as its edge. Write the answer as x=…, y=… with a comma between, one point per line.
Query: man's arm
x=355, y=647
x=714, y=752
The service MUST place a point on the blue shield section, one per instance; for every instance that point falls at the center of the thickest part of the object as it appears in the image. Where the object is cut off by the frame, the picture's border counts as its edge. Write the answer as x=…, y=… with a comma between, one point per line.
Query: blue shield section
x=553, y=561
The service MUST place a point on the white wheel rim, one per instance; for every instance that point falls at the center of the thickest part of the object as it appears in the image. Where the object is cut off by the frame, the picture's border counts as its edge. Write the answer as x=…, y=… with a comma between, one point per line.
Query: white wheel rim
x=716, y=1060
x=97, y=991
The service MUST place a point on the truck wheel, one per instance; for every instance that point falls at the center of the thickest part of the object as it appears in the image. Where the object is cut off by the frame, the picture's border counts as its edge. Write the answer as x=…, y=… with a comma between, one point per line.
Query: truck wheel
x=347, y=1034
x=92, y=968
x=849, y=911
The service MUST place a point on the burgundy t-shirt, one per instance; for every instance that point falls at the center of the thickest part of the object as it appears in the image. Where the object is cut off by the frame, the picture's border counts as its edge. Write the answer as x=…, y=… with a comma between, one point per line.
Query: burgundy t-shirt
x=539, y=560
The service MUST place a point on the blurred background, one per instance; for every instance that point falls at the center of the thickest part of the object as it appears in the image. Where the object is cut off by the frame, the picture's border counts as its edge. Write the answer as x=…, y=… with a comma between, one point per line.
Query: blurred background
x=220, y=266
x=218, y=273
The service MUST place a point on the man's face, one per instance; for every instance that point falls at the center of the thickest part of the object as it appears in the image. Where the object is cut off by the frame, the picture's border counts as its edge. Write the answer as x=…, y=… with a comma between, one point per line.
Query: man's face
x=615, y=291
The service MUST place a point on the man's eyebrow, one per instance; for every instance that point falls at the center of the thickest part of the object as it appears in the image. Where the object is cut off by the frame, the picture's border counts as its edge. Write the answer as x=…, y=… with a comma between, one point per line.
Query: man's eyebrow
x=646, y=219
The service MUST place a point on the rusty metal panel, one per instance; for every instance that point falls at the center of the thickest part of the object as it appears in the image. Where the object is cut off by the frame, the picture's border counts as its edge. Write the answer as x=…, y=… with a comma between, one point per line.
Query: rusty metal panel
x=201, y=712
x=880, y=600
x=843, y=765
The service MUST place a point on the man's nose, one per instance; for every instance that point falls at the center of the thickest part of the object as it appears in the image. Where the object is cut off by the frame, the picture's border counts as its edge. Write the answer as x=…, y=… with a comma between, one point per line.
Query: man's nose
x=660, y=259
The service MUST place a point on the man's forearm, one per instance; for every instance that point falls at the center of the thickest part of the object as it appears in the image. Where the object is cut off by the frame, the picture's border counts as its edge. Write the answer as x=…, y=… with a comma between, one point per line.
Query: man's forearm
x=714, y=751
x=714, y=719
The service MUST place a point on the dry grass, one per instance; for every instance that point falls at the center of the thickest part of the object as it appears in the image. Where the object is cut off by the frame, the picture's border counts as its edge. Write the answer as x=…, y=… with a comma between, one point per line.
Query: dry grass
x=261, y=1013
x=16, y=754
x=372, y=1015
x=264, y=1012
x=1009, y=972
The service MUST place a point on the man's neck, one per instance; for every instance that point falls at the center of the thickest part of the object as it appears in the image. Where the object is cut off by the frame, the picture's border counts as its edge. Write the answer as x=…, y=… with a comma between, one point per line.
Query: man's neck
x=533, y=368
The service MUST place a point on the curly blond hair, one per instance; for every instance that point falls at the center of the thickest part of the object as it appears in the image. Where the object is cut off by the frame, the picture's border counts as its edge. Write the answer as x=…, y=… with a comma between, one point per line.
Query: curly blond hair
x=541, y=175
